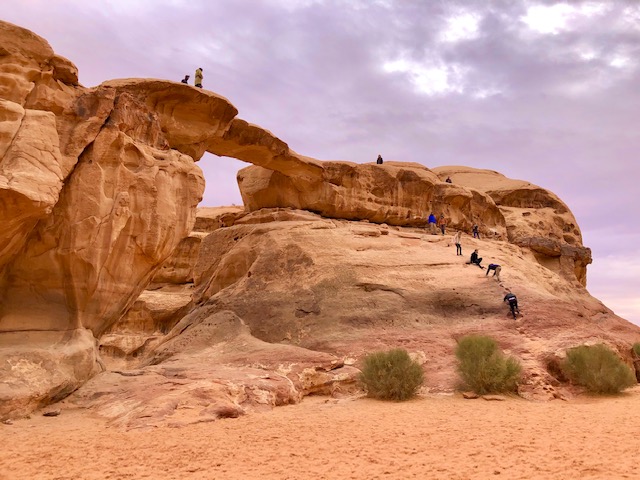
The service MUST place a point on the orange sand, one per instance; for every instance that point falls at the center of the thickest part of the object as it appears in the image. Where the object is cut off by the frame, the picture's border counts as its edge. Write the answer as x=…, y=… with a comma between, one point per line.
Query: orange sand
x=429, y=437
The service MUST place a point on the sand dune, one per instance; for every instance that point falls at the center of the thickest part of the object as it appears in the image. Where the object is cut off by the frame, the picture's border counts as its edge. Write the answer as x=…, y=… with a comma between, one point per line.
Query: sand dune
x=355, y=438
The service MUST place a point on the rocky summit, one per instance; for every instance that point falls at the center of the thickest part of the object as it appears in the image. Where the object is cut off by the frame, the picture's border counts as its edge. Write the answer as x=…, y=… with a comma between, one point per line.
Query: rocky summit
x=119, y=294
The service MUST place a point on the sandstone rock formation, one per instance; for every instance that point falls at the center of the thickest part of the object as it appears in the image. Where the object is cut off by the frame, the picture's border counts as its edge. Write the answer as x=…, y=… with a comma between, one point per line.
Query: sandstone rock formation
x=94, y=199
x=536, y=219
x=281, y=278
x=404, y=194
x=395, y=193
x=254, y=306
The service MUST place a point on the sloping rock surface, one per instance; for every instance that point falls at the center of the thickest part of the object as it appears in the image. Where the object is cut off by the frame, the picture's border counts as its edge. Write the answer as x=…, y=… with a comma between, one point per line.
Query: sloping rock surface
x=254, y=306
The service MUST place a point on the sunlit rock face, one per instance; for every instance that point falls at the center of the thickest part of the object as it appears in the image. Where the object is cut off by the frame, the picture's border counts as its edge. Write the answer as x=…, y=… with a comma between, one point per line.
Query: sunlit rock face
x=395, y=193
x=93, y=198
x=536, y=219
x=405, y=194
x=257, y=305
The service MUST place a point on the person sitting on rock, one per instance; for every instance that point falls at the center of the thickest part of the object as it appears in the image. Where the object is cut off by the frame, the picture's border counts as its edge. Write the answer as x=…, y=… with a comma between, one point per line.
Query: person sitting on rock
x=511, y=299
x=496, y=270
x=448, y=180
x=185, y=79
x=379, y=160
x=475, y=259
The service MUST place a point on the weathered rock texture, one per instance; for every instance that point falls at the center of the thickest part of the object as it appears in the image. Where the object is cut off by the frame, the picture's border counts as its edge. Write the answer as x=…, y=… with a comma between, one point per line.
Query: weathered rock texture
x=93, y=198
x=288, y=295
x=536, y=219
x=395, y=193
x=404, y=194
x=259, y=305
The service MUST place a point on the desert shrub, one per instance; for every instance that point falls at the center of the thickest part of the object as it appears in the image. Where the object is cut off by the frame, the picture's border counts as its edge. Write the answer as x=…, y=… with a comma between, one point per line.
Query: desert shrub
x=636, y=348
x=483, y=368
x=391, y=375
x=598, y=369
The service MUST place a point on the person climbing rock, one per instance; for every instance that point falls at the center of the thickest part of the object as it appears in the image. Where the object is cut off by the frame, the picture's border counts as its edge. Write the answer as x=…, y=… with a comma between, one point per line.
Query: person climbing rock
x=475, y=259
x=442, y=222
x=432, y=223
x=475, y=231
x=185, y=79
x=379, y=160
x=199, y=77
x=496, y=270
x=456, y=240
x=511, y=299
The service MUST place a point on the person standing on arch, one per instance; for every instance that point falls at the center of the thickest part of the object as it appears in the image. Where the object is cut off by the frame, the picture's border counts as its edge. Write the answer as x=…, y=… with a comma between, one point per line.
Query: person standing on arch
x=379, y=160
x=199, y=77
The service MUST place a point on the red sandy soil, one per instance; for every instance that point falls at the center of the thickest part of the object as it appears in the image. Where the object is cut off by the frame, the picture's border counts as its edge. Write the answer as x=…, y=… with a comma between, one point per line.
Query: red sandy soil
x=444, y=437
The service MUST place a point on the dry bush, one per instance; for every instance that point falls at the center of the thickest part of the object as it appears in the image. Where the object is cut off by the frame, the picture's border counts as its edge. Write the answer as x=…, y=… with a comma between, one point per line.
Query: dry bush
x=391, y=375
x=483, y=368
x=598, y=369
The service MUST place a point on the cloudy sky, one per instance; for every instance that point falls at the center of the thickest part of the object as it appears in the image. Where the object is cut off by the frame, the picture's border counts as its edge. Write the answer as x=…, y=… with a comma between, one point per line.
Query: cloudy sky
x=539, y=90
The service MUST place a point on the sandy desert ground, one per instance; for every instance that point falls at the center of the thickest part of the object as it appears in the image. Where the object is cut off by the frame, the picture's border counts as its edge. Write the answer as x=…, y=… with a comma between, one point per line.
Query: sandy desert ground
x=444, y=437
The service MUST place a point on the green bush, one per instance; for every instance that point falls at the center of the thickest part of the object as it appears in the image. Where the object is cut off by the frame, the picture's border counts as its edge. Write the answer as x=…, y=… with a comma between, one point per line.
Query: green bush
x=391, y=375
x=598, y=369
x=483, y=368
x=636, y=348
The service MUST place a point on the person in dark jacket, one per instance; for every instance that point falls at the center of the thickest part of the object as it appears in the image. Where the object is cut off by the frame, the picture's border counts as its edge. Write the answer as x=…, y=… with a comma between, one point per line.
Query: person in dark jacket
x=475, y=259
x=496, y=270
x=476, y=234
x=185, y=79
x=511, y=299
x=448, y=180
x=379, y=160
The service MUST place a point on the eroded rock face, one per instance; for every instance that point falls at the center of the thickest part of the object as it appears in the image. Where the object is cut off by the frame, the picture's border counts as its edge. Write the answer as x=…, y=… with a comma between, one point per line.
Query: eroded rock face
x=93, y=198
x=287, y=303
x=263, y=304
x=394, y=193
x=536, y=219
x=404, y=194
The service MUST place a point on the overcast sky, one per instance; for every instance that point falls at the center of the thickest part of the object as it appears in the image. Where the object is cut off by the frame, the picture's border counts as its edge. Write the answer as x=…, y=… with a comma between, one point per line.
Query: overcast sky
x=542, y=91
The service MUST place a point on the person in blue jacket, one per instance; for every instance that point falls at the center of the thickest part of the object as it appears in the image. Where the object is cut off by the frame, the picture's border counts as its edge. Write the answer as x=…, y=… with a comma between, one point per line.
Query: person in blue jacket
x=432, y=223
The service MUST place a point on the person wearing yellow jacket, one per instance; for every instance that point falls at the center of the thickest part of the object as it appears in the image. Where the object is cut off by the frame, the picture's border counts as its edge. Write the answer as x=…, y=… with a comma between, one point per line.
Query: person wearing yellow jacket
x=199, y=78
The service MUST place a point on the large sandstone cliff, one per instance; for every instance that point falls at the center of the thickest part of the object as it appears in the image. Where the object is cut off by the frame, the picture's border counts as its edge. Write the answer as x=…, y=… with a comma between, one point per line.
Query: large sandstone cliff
x=249, y=306
x=94, y=198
